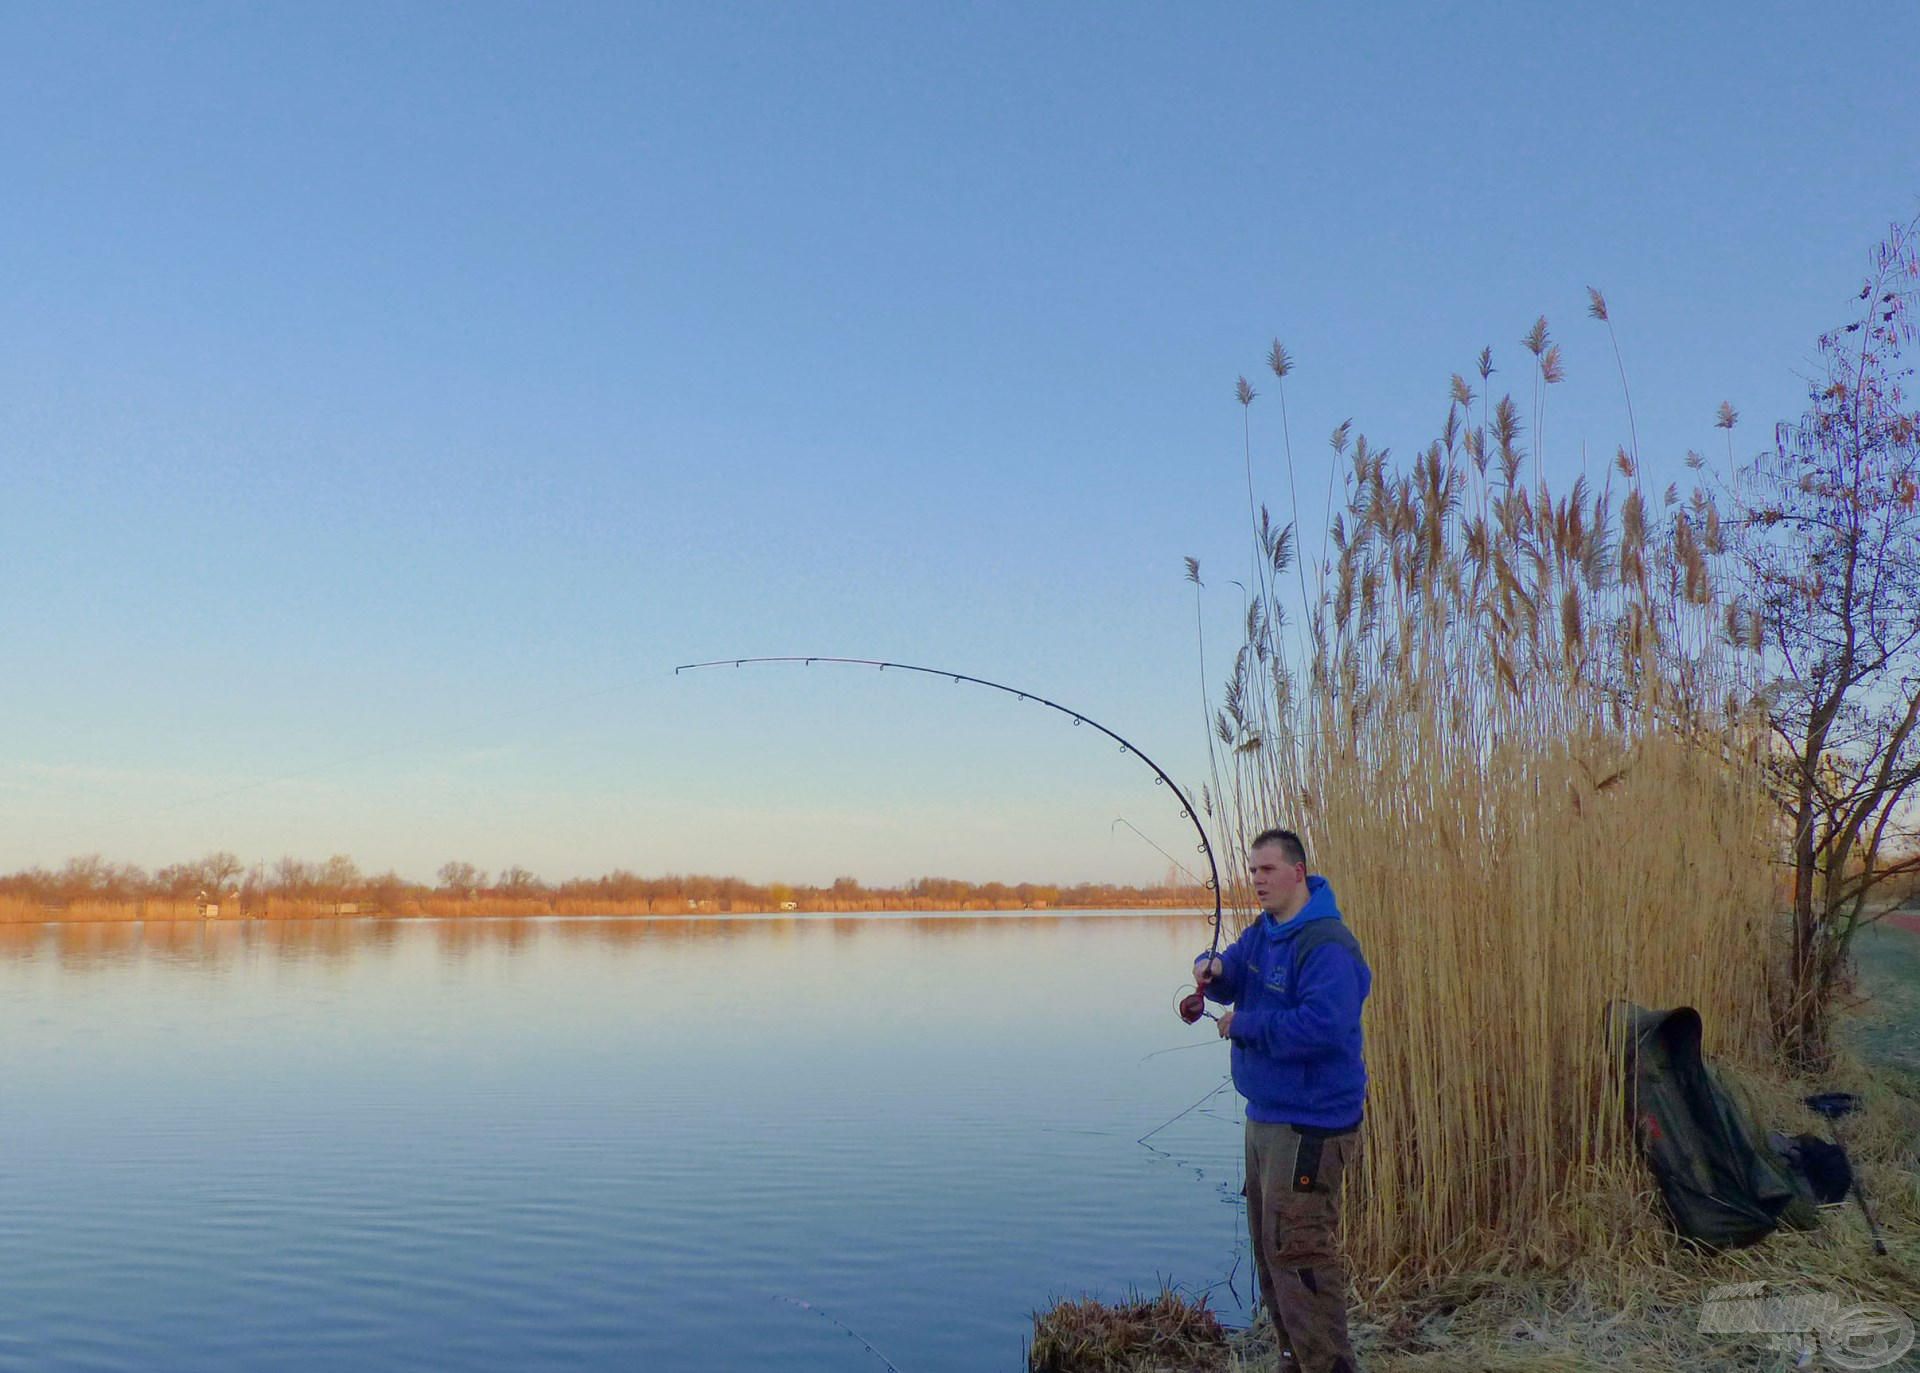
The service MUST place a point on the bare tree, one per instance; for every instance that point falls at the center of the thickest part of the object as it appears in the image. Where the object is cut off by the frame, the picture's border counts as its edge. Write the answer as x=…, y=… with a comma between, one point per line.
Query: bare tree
x=461, y=877
x=218, y=869
x=92, y=878
x=339, y=877
x=519, y=881
x=1827, y=535
x=294, y=878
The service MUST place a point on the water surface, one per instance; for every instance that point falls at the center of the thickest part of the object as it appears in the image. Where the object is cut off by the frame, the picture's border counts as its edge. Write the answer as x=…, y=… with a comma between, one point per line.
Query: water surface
x=620, y=1144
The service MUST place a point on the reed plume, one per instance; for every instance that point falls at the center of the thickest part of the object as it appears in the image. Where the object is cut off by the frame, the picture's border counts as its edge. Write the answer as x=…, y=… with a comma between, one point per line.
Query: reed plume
x=1518, y=733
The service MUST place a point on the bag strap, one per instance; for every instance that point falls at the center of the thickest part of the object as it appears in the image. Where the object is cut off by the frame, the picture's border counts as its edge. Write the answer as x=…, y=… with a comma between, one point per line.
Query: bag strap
x=1316, y=934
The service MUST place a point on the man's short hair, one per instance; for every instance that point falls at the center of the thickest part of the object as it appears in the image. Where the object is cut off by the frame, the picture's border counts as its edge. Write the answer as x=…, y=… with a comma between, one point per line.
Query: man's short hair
x=1288, y=841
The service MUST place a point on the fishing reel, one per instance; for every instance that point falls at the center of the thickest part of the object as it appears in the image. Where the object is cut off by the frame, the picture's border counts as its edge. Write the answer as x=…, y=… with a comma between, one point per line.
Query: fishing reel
x=1193, y=1005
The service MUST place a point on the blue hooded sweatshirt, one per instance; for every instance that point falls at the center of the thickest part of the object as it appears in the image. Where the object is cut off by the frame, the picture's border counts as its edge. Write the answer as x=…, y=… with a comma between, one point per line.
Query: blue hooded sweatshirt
x=1296, y=1049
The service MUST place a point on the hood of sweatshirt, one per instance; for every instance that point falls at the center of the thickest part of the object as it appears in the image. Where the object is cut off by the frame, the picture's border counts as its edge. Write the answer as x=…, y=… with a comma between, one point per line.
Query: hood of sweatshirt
x=1320, y=906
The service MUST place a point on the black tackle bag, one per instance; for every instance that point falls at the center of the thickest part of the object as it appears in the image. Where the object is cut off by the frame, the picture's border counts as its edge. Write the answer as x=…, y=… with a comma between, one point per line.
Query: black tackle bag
x=1722, y=1186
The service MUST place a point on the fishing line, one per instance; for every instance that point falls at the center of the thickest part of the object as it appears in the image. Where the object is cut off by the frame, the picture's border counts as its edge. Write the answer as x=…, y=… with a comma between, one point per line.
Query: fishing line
x=1178, y=1048
x=850, y=1332
x=1221, y=1086
x=1193, y=1005
x=1201, y=1294
x=1180, y=999
x=1190, y=874
x=1228, y=1192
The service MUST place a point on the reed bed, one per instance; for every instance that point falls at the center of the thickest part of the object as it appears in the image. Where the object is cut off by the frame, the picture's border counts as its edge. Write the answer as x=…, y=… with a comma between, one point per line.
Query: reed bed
x=1517, y=729
x=1635, y=1300
x=20, y=910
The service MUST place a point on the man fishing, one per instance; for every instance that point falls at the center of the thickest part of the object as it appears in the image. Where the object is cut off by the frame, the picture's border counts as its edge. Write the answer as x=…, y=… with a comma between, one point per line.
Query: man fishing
x=1295, y=980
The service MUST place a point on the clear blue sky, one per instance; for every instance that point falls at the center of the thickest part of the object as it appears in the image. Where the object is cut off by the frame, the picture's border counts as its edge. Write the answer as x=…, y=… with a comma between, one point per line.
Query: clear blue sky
x=389, y=396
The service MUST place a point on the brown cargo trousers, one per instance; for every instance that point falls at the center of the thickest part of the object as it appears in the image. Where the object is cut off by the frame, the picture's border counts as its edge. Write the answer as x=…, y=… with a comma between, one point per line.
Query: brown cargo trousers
x=1293, y=1219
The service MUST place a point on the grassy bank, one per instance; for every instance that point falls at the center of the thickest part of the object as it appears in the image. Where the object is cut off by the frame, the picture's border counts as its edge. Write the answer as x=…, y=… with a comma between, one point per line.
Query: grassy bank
x=1524, y=733
x=1884, y=1028
x=1519, y=738
x=1635, y=1300
x=1639, y=1308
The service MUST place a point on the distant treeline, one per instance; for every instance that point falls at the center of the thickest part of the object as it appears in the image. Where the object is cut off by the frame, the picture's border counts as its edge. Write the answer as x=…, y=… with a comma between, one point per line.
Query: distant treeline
x=91, y=888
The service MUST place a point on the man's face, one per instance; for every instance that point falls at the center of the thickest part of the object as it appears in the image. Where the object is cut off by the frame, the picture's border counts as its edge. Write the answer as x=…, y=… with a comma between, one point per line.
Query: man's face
x=1275, y=880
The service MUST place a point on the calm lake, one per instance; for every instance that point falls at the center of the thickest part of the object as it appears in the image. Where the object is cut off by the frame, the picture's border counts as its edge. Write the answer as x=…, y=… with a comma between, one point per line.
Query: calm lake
x=578, y=1143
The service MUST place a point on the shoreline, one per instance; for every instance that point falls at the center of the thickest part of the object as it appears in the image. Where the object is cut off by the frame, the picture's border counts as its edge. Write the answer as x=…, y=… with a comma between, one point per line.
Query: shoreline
x=187, y=913
x=1605, y=1317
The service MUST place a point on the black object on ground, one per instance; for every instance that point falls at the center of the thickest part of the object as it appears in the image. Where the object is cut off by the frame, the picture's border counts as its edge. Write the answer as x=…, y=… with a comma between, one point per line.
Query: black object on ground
x=1722, y=1186
x=1833, y=1106
x=1825, y=1167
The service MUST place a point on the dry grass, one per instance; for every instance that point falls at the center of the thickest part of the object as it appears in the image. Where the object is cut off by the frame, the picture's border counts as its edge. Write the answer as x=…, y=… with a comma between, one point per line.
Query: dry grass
x=1518, y=735
x=1144, y=1335
x=1634, y=1302
x=22, y=910
x=1637, y=1303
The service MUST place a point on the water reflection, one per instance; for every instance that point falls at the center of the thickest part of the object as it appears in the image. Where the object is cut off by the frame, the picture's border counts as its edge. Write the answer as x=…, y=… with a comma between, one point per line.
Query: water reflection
x=20, y=941
x=461, y=938
x=81, y=946
x=527, y=1143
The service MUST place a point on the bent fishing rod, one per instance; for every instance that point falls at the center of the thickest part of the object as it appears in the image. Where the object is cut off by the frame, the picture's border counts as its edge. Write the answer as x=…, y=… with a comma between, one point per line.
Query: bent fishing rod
x=1191, y=1006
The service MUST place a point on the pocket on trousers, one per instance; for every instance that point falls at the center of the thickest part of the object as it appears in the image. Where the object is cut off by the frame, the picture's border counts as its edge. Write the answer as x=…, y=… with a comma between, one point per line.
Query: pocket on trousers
x=1310, y=1160
x=1307, y=1158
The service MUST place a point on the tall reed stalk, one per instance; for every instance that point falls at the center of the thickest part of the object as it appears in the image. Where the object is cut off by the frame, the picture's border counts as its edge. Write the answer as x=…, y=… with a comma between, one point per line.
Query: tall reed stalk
x=1518, y=736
